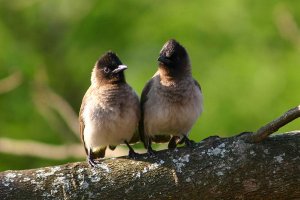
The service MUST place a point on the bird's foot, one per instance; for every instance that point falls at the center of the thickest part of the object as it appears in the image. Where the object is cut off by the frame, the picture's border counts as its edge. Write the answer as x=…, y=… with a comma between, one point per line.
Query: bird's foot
x=92, y=162
x=133, y=155
x=151, y=152
x=189, y=143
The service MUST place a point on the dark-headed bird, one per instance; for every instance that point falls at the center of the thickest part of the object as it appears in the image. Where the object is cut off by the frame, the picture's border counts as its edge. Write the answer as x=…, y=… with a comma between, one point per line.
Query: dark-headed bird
x=171, y=101
x=110, y=111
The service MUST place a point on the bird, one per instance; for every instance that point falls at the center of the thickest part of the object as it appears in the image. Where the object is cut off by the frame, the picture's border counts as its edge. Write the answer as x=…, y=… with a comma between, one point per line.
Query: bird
x=110, y=110
x=171, y=100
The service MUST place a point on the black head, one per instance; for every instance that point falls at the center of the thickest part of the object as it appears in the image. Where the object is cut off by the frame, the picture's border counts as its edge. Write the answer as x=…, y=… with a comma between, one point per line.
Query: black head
x=173, y=56
x=110, y=69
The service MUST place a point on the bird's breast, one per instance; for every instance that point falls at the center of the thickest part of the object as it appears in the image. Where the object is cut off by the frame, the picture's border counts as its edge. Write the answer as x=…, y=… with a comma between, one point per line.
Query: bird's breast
x=110, y=118
x=172, y=110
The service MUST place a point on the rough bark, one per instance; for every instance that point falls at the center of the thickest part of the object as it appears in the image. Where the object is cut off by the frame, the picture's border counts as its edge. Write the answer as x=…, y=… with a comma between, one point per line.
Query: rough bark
x=217, y=168
x=247, y=166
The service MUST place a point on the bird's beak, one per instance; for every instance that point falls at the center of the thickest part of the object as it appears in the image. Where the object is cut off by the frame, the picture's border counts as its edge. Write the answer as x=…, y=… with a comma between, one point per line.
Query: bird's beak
x=119, y=69
x=164, y=60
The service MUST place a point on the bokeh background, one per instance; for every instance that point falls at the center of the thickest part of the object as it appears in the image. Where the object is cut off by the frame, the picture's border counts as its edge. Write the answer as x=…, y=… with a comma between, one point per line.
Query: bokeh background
x=244, y=53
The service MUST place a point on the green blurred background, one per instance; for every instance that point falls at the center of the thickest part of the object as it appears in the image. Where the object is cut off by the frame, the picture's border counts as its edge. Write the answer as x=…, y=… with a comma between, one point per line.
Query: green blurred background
x=244, y=53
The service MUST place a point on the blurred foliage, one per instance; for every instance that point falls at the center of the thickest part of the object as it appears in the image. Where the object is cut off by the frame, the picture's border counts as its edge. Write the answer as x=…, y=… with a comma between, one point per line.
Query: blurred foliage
x=244, y=53
x=28, y=162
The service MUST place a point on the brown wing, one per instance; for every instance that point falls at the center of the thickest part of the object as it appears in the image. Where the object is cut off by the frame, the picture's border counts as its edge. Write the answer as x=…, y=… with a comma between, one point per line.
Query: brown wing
x=136, y=137
x=198, y=85
x=81, y=121
x=144, y=98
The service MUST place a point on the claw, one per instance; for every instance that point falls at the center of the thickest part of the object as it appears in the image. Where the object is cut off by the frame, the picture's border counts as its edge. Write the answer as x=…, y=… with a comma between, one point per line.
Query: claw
x=133, y=154
x=92, y=162
x=188, y=142
x=151, y=152
x=91, y=159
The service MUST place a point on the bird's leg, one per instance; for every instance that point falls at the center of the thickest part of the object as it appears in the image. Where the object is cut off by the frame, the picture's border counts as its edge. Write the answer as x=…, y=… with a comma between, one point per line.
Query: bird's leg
x=188, y=142
x=91, y=160
x=173, y=142
x=132, y=153
x=150, y=151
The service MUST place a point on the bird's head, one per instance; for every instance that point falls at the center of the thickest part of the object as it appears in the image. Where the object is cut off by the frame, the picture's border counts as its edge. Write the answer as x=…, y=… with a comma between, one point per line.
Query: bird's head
x=109, y=69
x=173, y=57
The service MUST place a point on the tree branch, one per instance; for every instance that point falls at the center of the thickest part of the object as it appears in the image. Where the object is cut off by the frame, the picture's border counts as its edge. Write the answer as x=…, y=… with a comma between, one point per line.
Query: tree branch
x=217, y=168
x=11, y=82
x=274, y=125
x=287, y=25
x=47, y=101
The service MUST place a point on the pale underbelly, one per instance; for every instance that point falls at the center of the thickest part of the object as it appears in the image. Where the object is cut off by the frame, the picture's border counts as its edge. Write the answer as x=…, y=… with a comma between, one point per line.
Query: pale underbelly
x=171, y=120
x=105, y=132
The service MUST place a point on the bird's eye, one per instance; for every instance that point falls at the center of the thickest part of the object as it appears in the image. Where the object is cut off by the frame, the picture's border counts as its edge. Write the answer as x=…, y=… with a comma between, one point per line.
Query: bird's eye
x=106, y=69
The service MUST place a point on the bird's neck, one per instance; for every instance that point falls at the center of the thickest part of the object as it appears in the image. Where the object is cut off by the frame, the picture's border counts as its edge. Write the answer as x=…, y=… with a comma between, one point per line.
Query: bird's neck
x=167, y=75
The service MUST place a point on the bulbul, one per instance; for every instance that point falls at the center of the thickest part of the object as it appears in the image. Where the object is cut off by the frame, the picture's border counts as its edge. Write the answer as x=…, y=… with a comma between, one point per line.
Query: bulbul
x=171, y=101
x=110, y=110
